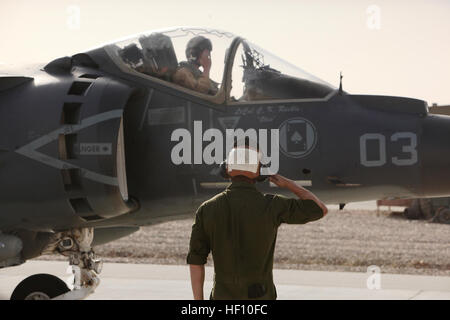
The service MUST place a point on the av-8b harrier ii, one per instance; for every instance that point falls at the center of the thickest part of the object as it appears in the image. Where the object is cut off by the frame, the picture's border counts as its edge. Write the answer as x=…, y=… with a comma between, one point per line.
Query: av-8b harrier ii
x=87, y=144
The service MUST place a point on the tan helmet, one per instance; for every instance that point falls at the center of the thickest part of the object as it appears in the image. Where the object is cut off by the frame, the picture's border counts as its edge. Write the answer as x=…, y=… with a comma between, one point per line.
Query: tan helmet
x=195, y=47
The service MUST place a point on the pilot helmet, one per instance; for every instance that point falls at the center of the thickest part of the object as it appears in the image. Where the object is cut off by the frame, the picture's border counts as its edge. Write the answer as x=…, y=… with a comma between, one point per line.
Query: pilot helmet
x=195, y=47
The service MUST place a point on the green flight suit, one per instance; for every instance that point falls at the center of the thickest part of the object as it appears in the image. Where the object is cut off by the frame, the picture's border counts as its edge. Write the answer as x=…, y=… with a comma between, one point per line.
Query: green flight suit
x=239, y=226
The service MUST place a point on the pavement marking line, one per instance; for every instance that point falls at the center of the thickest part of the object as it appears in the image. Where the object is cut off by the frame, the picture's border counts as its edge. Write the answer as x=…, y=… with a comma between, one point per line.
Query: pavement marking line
x=171, y=282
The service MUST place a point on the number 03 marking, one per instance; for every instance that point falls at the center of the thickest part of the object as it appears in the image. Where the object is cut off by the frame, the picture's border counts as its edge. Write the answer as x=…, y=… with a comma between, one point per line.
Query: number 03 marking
x=409, y=149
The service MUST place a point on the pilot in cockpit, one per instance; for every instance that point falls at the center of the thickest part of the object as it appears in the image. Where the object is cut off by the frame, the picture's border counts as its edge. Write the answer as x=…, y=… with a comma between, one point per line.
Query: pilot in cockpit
x=189, y=75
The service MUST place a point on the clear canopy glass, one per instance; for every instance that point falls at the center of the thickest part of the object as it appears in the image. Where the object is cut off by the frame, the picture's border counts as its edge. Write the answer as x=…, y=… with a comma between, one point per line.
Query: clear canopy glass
x=158, y=53
x=259, y=75
x=256, y=74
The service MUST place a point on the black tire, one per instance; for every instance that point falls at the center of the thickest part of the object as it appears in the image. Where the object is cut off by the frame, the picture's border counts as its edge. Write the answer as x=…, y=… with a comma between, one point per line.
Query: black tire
x=443, y=216
x=426, y=206
x=414, y=211
x=39, y=287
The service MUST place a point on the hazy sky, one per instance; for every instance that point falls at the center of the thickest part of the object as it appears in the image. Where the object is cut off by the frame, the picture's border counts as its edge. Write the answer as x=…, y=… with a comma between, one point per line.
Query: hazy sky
x=397, y=47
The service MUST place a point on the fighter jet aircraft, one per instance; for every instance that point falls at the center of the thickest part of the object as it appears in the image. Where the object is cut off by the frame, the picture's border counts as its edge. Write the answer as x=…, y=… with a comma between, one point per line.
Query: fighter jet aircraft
x=95, y=145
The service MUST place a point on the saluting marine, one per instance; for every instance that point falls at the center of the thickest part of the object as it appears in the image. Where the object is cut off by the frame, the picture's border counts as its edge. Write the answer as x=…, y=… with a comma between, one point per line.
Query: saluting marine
x=239, y=226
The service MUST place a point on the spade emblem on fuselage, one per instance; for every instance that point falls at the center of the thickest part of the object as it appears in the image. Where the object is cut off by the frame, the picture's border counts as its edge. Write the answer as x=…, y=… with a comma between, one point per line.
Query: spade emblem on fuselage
x=297, y=137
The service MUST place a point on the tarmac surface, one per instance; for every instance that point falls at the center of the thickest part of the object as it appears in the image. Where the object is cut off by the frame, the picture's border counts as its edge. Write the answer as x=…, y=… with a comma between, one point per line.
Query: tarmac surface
x=171, y=282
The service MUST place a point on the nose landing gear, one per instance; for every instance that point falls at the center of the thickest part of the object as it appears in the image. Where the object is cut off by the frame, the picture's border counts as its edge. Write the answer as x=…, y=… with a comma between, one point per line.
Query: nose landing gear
x=76, y=245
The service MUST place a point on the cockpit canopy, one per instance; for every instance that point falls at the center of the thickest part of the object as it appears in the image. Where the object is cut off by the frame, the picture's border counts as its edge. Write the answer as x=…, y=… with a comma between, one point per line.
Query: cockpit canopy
x=252, y=72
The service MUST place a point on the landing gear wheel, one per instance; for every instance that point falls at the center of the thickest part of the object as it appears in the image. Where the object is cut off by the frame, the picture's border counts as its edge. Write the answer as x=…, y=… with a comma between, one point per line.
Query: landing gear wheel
x=39, y=287
x=413, y=212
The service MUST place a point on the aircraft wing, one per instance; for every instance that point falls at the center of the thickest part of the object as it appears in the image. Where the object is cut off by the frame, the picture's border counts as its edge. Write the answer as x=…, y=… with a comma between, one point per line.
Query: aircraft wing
x=7, y=81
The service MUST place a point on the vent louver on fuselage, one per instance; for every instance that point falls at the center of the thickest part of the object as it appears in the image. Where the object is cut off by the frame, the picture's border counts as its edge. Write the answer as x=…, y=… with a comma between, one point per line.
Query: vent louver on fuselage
x=79, y=88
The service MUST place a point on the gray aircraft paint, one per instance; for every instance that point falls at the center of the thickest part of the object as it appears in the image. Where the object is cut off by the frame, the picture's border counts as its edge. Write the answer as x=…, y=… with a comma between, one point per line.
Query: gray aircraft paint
x=29, y=150
x=357, y=147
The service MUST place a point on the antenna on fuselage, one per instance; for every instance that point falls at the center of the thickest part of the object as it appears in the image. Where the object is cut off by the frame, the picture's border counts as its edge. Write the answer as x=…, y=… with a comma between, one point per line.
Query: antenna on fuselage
x=340, y=82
